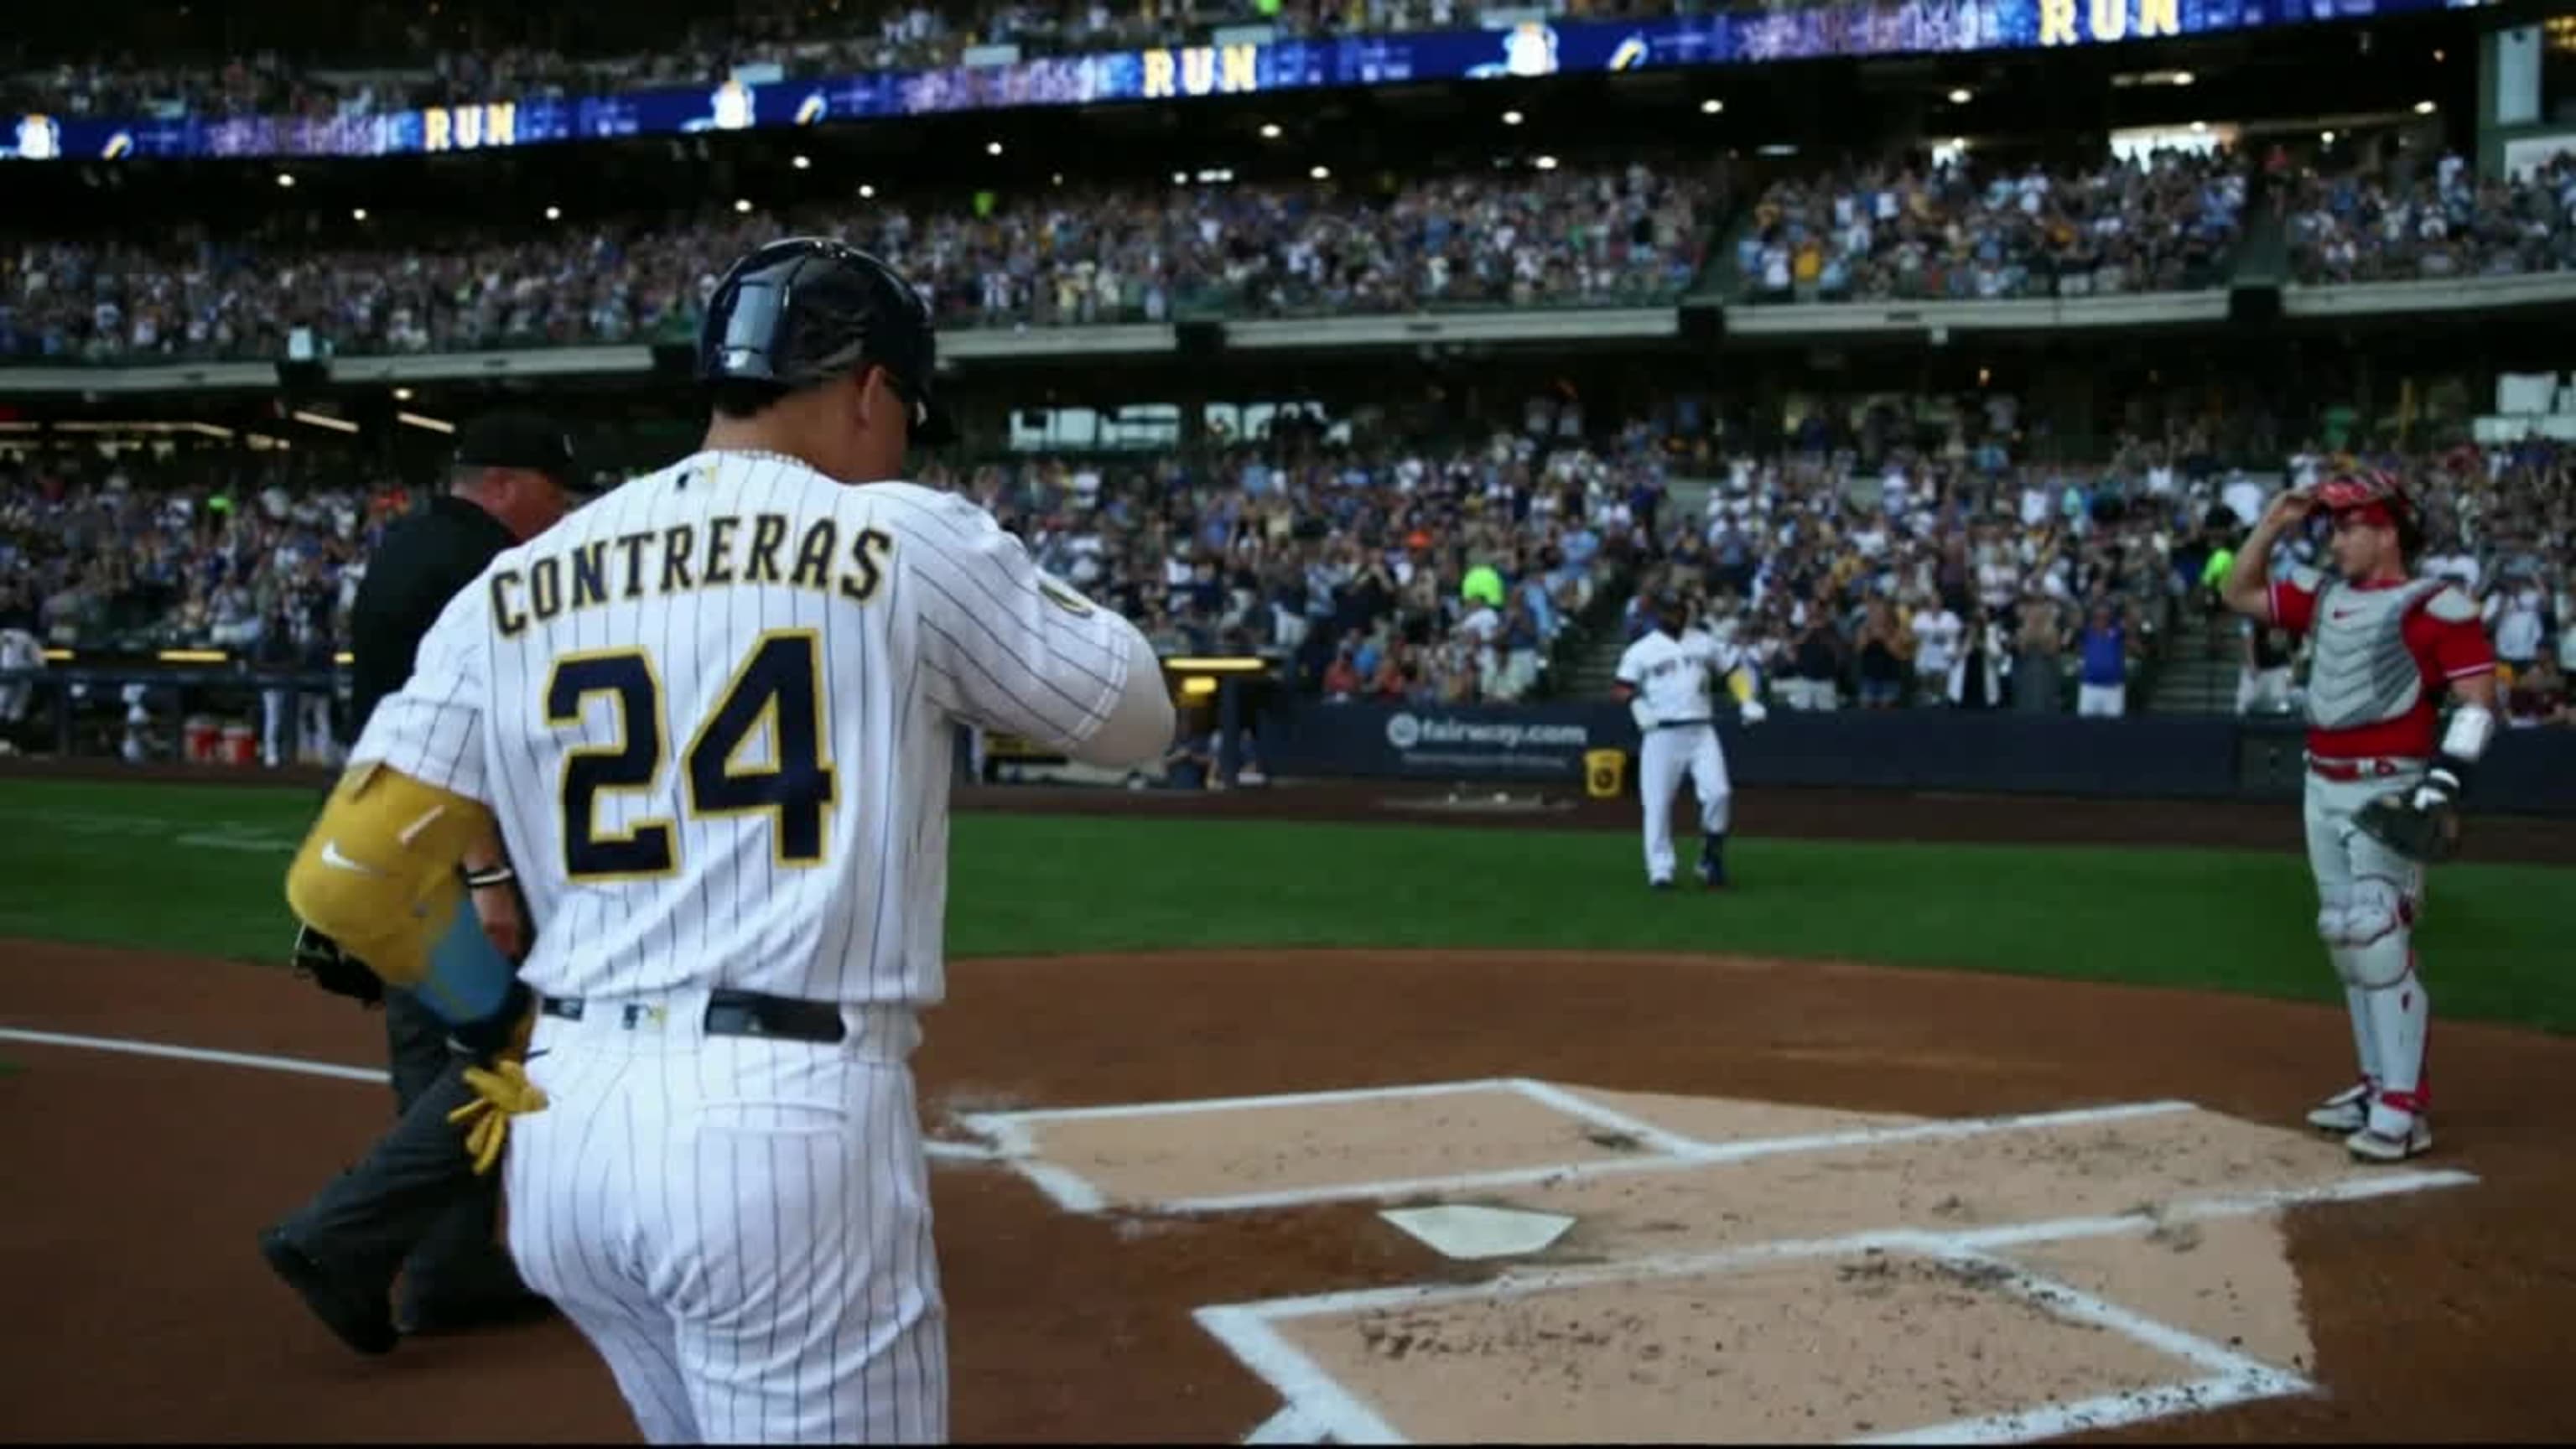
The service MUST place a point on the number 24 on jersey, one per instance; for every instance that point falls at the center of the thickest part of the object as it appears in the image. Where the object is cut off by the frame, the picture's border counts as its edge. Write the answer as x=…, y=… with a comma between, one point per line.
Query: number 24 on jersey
x=776, y=694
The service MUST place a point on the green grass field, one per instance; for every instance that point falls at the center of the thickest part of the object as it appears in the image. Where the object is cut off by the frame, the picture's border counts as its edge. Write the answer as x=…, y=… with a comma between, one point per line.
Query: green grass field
x=197, y=869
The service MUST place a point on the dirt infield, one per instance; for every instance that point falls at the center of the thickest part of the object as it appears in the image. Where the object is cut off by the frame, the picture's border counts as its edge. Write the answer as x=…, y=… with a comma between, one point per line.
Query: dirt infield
x=1705, y=1121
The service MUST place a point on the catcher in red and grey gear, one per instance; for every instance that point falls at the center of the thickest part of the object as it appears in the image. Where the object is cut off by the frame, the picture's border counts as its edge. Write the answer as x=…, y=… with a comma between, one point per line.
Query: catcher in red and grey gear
x=2384, y=773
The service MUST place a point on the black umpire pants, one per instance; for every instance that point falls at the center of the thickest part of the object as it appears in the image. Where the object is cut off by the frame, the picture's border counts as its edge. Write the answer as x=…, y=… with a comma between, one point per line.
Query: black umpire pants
x=413, y=1204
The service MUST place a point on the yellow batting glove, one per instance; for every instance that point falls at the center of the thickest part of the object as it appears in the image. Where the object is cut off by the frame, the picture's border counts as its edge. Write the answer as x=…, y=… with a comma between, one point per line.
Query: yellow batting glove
x=501, y=1092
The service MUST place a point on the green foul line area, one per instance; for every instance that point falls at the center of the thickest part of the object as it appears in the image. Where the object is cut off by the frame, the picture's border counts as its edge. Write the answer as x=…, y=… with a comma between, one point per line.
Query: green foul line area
x=197, y=869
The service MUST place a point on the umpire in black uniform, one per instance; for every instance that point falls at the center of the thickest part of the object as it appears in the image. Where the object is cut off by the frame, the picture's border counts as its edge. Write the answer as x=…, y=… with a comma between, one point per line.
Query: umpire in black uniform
x=413, y=1205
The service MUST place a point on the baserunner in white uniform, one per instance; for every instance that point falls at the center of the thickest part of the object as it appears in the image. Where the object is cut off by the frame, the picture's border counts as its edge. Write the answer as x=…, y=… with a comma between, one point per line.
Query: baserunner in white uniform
x=1667, y=679
x=713, y=713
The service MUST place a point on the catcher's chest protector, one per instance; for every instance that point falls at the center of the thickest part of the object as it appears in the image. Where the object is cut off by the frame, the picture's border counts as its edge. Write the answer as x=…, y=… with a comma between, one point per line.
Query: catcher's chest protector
x=2363, y=672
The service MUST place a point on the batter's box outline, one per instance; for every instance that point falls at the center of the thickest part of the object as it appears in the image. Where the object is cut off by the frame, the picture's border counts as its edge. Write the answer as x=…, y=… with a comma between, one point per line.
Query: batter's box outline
x=1012, y=1140
x=1319, y=1408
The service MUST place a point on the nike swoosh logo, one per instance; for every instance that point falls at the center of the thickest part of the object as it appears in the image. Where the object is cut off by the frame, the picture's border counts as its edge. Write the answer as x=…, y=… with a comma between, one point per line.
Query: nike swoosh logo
x=332, y=857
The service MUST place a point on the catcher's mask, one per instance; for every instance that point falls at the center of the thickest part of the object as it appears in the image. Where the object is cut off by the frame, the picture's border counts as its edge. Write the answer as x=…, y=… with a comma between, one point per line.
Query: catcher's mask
x=2374, y=497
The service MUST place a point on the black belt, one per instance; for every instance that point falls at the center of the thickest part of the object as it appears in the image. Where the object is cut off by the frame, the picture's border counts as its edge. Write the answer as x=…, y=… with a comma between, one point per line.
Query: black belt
x=736, y=1013
x=1680, y=724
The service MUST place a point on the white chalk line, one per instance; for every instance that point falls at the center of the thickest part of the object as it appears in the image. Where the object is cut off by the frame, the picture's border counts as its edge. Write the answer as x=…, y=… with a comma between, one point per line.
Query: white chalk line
x=1559, y=1173
x=1330, y=1409
x=1188, y=1105
x=1323, y=1403
x=1291, y=1425
x=1012, y=1130
x=1518, y=1283
x=1548, y=1094
x=300, y=1066
x=2107, y=1411
x=2229, y=1377
x=128, y=1047
x=1318, y=1406
x=1014, y=1146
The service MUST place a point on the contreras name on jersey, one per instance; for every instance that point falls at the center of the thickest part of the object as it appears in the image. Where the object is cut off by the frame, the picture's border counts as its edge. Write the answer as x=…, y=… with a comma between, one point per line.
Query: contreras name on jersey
x=683, y=558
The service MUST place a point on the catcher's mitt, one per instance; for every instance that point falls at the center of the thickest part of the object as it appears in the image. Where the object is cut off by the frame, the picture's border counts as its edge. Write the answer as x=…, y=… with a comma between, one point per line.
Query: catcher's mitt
x=319, y=959
x=2427, y=833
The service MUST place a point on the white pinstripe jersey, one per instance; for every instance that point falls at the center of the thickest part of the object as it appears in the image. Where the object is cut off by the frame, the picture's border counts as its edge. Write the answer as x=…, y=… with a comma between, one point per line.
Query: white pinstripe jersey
x=712, y=712
x=1674, y=674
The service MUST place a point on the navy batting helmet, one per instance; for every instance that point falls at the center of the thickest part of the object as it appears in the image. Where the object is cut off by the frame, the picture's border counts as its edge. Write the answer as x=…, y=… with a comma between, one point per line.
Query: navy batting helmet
x=806, y=310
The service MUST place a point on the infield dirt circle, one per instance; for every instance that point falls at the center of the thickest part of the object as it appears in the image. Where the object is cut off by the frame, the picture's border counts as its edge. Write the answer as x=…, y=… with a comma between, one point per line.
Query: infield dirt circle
x=1811, y=1202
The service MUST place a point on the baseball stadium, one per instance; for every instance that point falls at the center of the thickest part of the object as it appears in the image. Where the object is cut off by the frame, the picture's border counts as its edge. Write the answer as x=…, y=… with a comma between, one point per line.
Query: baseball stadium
x=1842, y=698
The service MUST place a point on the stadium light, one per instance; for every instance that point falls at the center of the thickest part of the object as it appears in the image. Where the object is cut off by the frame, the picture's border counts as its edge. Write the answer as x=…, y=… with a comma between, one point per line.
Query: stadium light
x=358, y=214
x=2200, y=128
x=1058, y=179
x=286, y=178
x=1270, y=130
x=1711, y=106
x=324, y=420
x=1511, y=118
x=2184, y=77
x=554, y=213
x=992, y=148
x=742, y=206
x=1962, y=96
x=866, y=191
x=2326, y=136
x=402, y=394
x=417, y=420
x=1322, y=173
x=1545, y=163
x=803, y=163
x=2424, y=108
x=1180, y=178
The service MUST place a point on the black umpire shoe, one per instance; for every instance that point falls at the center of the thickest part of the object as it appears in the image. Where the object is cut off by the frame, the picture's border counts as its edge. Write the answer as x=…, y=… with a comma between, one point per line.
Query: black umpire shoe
x=359, y=1319
x=429, y=1317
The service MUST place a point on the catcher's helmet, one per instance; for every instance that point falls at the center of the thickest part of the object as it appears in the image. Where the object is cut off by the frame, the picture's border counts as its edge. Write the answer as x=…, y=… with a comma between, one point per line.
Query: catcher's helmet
x=806, y=310
x=2372, y=489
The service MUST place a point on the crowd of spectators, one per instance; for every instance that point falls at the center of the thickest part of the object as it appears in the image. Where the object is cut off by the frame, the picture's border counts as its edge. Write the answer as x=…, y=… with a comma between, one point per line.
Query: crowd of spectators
x=1935, y=581
x=204, y=550
x=1971, y=581
x=2382, y=226
x=1391, y=569
x=1578, y=235
x=1056, y=257
x=529, y=55
x=1965, y=230
x=1384, y=570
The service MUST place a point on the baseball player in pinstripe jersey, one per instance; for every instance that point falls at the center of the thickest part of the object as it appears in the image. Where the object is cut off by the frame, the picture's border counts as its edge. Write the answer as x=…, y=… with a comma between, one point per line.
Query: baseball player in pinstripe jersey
x=711, y=717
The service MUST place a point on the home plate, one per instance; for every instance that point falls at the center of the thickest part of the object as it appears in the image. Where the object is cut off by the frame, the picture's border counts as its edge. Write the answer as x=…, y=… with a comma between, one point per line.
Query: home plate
x=1480, y=1232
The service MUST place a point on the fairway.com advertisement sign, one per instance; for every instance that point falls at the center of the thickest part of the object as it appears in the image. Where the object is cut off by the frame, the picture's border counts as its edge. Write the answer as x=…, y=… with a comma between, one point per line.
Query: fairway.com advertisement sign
x=1469, y=742
x=1827, y=28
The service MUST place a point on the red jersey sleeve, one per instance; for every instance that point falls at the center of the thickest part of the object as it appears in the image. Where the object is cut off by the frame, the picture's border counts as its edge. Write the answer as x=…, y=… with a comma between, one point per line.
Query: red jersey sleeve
x=2294, y=605
x=2452, y=647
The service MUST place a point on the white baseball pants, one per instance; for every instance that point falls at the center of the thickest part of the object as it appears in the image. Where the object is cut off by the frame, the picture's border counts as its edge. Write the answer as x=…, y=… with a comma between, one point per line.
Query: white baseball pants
x=2367, y=899
x=740, y=1226
x=1663, y=757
